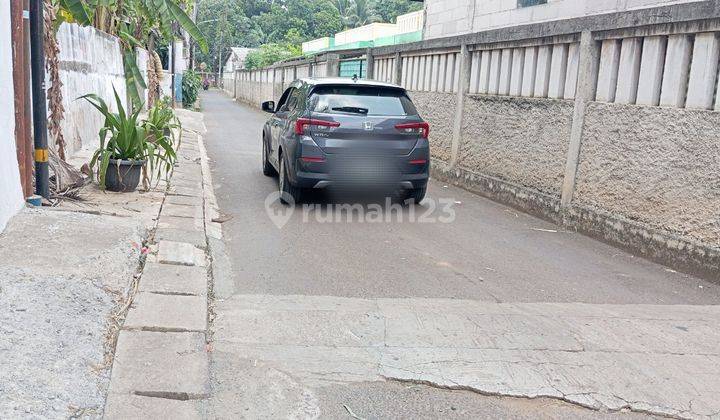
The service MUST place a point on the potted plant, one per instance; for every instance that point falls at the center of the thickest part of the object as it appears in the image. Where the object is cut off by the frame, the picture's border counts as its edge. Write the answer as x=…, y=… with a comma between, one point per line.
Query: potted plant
x=129, y=148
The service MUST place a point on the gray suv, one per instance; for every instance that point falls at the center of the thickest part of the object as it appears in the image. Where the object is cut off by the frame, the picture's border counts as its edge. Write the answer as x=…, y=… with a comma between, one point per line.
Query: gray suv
x=335, y=132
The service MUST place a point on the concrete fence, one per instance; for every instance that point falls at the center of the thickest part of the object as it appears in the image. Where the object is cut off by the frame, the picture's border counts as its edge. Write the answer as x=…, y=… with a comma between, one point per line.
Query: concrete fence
x=607, y=124
x=90, y=62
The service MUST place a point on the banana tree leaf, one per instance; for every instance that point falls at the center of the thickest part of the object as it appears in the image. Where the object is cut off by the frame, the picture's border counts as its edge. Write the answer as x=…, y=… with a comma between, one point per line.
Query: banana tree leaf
x=131, y=81
x=79, y=11
x=130, y=39
x=187, y=24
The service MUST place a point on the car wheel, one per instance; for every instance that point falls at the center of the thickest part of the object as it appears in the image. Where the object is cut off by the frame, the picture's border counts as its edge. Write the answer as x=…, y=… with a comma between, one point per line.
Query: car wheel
x=416, y=195
x=268, y=169
x=287, y=190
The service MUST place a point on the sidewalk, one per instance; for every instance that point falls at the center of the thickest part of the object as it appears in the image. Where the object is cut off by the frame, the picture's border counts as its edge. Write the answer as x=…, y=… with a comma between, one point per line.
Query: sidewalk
x=68, y=275
x=161, y=360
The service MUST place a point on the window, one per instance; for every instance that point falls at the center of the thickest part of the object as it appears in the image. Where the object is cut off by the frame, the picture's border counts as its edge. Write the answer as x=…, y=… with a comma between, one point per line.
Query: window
x=294, y=100
x=366, y=100
x=283, y=100
x=528, y=3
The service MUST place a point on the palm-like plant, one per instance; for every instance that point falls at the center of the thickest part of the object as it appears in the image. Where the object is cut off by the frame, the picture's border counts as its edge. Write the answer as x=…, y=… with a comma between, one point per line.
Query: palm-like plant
x=345, y=7
x=124, y=137
x=362, y=13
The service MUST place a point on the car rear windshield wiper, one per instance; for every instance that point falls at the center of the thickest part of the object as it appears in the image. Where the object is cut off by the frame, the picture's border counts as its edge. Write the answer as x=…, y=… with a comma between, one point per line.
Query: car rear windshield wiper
x=353, y=109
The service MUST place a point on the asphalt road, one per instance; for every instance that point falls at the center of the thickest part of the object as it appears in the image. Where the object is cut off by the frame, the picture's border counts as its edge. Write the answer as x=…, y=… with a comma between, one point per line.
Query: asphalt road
x=489, y=253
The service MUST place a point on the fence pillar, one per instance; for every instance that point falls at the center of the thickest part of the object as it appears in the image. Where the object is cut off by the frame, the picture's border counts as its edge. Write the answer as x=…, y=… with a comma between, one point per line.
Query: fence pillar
x=333, y=65
x=586, y=88
x=397, y=75
x=370, y=70
x=277, y=94
x=463, y=88
x=236, y=73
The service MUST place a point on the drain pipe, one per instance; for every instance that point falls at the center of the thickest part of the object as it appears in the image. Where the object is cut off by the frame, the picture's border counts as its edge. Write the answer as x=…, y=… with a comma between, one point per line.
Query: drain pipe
x=37, y=64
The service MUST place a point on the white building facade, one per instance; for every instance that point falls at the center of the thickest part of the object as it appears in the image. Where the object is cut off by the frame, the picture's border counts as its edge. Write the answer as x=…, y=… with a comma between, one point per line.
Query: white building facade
x=11, y=196
x=445, y=18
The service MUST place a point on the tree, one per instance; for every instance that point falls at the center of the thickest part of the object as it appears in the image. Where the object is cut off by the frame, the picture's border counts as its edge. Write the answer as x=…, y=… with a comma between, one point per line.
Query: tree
x=363, y=13
x=345, y=8
x=285, y=23
x=328, y=22
x=269, y=54
x=138, y=23
x=389, y=10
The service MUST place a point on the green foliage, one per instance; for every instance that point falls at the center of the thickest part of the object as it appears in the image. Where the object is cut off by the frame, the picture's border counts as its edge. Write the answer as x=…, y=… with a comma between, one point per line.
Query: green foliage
x=389, y=10
x=190, y=87
x=124, y=137
x=138, y=23
x=362, y=12
x=269, y=54
x=161, y=126
x=285, y=24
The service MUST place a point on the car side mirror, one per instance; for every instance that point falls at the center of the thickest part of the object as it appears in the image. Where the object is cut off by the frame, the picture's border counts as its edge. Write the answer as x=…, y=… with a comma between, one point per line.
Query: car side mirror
x=269, y=106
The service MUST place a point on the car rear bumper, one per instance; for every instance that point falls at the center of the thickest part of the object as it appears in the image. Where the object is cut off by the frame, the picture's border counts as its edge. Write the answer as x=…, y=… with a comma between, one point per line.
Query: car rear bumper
x=317, y=178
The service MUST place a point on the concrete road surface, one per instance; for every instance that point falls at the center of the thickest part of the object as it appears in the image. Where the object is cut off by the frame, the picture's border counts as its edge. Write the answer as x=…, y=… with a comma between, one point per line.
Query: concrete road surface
x=382, y=320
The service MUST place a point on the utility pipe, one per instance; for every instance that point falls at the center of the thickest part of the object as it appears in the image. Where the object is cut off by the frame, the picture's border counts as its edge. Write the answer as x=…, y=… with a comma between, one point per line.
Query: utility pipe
x=37, y=64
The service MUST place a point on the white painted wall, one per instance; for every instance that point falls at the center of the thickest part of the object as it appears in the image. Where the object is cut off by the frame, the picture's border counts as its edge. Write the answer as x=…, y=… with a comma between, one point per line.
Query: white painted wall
x=366, y=33
x=11, y=197
x=90, y=62
x=410, y=22
x=456, y=17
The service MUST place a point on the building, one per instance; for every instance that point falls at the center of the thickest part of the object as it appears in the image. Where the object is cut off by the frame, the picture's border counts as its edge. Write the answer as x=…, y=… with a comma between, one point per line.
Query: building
x=444, y=18
x=11, y=194
x=407, y=28
x=236, y=60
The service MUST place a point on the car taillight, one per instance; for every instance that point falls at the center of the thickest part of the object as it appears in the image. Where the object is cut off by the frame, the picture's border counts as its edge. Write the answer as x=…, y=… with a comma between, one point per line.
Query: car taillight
x=421, y=128
x=303, y=124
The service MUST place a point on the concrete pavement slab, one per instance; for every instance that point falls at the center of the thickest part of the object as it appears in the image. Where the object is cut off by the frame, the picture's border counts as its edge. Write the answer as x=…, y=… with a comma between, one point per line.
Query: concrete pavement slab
x=180, y=253
x=167, y=278
x=159, y=362
x=195, y=237
x=152, y=311
x=124, y=406
x=312, y=365
x=175, y=210
x=170, y=222
x=191, y=171
x=185, y=191
x=183, y=200
x=604, y=357
x=321, y=328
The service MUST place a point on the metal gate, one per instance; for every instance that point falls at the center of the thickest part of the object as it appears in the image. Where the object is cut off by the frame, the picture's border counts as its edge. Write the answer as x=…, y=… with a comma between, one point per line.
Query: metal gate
x=353, y=68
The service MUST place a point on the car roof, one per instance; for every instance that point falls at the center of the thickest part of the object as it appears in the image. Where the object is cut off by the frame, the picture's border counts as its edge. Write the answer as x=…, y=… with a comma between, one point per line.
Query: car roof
x=319, y=81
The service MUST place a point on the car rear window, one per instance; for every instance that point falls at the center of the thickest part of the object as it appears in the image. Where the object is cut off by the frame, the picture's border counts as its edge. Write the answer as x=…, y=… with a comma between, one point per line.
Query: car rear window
x=364, y=100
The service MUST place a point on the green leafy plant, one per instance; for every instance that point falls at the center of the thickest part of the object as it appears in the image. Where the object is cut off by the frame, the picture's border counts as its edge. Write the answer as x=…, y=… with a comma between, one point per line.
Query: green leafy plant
x=270, y=54
x=138, y=24
x=160, y=126
x=190, y=87
x=124, y=137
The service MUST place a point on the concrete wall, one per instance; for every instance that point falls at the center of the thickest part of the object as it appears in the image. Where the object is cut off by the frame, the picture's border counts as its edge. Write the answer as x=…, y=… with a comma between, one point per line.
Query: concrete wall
x=90, y=62
x=11, y=196
x=455, y=17
x=520, y=140
x=657, y=166
x=438, y=109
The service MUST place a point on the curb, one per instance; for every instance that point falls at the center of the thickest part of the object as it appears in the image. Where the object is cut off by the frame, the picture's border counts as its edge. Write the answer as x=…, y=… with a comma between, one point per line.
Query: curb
x=161, y=363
